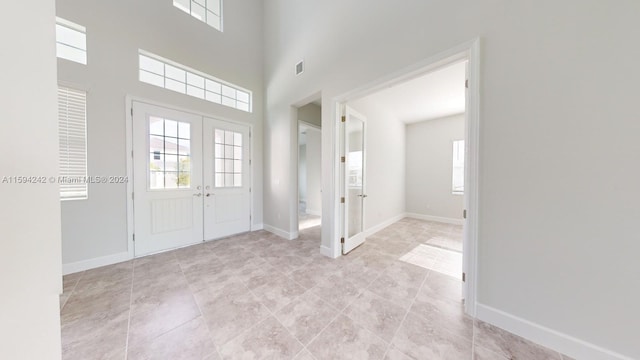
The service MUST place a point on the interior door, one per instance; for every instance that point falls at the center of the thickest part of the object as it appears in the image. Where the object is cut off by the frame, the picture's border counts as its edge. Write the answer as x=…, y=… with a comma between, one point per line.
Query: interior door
x=227, y=182
x=167, y=169
x=354, y=190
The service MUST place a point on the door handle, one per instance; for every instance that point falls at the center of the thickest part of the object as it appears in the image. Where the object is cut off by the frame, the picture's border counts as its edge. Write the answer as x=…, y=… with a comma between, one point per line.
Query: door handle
x=198, y=194
x=209, y=194
x=363, y=195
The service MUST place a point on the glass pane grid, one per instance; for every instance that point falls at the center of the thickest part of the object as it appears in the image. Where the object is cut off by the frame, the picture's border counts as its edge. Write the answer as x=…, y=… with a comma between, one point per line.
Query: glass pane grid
x=207, y=11
x=228, y=158
x=71, y=44
x=170, y=154
x=172, y=77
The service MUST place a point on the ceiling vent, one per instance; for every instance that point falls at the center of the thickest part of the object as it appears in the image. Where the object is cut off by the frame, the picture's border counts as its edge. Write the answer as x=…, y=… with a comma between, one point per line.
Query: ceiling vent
x=300, y=67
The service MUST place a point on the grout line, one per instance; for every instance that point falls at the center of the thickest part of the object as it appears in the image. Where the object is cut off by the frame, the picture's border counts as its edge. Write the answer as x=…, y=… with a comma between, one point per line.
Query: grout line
x=72, y=289
x=126, y=346
x=407, y=314
x=191, y=290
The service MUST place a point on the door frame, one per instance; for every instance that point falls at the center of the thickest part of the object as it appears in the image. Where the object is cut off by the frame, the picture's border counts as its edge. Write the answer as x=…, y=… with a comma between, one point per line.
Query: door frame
x=469, y=51
x=315, y=128
x=129, y=100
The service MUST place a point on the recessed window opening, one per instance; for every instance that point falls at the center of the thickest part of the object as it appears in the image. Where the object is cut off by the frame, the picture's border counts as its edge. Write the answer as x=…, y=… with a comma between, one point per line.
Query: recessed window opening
x=207, y=11
x=170, y=75
x=71, y=41
x=72, y=132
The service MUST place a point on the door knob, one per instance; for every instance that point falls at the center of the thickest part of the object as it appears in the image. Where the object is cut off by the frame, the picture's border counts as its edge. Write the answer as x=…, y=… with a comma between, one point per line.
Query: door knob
x=209, y=194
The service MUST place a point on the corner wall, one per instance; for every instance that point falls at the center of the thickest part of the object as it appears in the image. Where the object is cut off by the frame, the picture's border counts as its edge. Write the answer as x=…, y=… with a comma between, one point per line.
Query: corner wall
x=30, y=260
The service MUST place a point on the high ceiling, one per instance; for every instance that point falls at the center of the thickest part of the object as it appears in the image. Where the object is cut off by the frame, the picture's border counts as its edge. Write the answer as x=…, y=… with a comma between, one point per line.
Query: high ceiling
x=434, y=95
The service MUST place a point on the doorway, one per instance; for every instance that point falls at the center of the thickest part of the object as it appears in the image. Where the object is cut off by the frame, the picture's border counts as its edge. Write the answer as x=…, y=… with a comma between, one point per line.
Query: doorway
x=191, y=177
x=309, y=166
x=466, y=53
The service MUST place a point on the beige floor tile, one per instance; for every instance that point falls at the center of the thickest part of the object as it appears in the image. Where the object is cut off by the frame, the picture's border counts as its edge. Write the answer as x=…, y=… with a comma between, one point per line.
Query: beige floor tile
x=509, y=345
x=399, y=283
x=190, y=341
x=345, y=339
x=267, y=340
x=420, y=340
x=376, y=314
x=306, y=316
x=230, y=311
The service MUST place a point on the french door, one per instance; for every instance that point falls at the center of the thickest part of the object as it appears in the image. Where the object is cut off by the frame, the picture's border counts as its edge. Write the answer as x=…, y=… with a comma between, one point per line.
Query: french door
x=191, y=178
x=354, y=179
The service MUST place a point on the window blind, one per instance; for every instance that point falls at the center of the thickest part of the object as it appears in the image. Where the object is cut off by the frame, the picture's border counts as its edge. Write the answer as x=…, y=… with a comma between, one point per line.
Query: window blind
x=72, y=130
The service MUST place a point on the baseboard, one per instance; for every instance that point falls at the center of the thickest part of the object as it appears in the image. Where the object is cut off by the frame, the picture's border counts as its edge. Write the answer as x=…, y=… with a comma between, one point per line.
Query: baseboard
x=374, y=229
x=326, y=251
x=256, y=227
x=435, y=218
x=544, y=336
x=314, y=212
x=283, y=234
x=83, y=265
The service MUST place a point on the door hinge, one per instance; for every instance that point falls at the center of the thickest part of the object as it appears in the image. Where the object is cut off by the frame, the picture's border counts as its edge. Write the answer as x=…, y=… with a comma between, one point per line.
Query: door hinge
x=132, y=111
x=134, y=237
x=343, y=119
x=464, y=213
x=466, y=83
x=341, y=240
x=249, y=189
x=132, y=154
x=132, y=196
x=464, y=277
x=342, y=200
x=342, y=159
x=249, y=161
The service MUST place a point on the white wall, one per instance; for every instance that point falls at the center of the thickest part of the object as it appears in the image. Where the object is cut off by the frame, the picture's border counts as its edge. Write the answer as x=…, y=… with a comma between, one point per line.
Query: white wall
x=558, y=240
x=302, y=169
x=385, y=163
x=429, y=167
x=314, y=171
x=30, y=260
x=116, y=30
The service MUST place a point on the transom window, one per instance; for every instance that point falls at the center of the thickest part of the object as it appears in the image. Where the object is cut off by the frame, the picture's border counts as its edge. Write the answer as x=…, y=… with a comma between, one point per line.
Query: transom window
x=169, y=154
x=167, y=74
x=458, y=167
x=228, y=158
x=71, y=41
x=207, y=11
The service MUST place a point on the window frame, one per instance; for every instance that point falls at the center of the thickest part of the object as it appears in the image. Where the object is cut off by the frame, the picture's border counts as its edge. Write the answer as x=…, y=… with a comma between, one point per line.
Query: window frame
x=185, y=86
x=220, y=15
x=80, y=179
x=78, y=29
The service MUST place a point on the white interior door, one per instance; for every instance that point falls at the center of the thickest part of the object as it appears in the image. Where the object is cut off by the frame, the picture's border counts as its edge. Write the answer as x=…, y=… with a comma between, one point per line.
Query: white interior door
x=354, y=170
x=227, y=197
x=168, y=208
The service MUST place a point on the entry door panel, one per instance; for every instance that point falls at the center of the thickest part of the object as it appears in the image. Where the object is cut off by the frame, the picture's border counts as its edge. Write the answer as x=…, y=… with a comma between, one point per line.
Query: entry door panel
x=167, y=167
x=354, y=191
x=227, y=200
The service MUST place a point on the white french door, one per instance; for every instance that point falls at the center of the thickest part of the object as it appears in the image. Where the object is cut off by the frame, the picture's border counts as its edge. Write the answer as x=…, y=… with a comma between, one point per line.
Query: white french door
x=191, y=178
x=354, y=179
x=227, y=200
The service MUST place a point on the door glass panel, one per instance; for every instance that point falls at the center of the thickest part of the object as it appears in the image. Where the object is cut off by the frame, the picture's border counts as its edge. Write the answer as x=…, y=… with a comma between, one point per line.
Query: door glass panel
x=169, y=154
x=228, y=158
x=354, y=168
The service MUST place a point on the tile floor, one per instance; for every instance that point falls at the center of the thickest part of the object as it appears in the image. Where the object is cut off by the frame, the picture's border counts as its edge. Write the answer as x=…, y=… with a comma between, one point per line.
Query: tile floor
x=256, y=296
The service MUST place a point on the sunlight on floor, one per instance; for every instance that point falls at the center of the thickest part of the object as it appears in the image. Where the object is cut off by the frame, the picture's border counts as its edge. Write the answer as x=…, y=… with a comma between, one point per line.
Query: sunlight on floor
x=437, y=259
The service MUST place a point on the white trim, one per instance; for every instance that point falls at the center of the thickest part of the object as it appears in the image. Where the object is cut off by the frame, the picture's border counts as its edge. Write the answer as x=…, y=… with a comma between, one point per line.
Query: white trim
x=545, y=336
x=257, y=227
x=309, y=125
x=435, y=218
x=469, y=51
x=71, y=25
x=129, y=100
x=326, y=251
x=83, y=265
x=374, y=229
x=283, y=234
